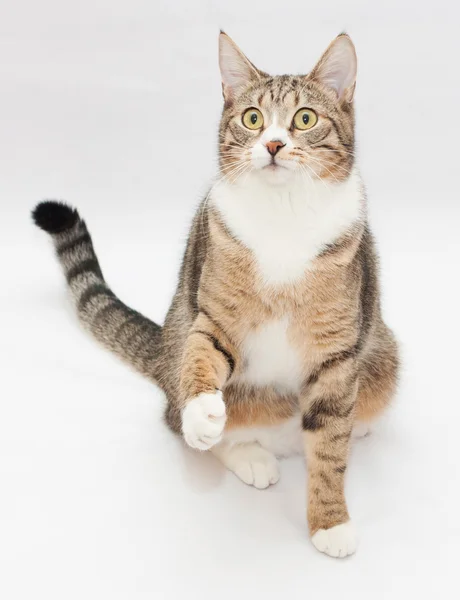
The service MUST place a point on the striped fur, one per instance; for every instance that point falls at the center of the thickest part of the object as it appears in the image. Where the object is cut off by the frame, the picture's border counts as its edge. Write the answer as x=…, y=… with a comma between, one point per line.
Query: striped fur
x=121, y=329
x=215, y=356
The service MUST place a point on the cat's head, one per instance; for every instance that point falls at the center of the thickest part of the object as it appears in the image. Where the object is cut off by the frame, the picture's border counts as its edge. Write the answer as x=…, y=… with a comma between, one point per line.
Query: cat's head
x=287, y=126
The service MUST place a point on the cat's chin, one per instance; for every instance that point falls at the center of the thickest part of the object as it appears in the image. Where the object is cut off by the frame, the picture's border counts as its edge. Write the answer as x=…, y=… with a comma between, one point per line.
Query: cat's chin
x=275, y=174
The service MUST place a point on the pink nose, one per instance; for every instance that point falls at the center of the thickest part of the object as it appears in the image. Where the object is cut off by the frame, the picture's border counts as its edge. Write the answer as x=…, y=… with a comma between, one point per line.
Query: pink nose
x=274, y=146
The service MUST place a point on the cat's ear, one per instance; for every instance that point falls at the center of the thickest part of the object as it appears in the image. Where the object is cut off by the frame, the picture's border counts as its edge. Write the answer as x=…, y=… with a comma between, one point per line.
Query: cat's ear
x=236, y=70
x=337, y=67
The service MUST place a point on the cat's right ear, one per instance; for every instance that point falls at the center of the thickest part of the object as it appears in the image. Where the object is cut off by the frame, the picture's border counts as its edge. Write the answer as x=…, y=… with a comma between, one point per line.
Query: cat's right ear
x=236, y=70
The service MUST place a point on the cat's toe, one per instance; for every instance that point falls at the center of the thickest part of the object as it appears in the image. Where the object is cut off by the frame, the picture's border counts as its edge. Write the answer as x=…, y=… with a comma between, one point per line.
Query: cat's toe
x=338, y=541
x=253, y=465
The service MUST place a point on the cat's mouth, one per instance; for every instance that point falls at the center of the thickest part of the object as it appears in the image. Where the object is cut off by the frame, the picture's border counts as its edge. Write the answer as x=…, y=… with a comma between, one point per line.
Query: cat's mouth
x=274, y=165
x=276, y=172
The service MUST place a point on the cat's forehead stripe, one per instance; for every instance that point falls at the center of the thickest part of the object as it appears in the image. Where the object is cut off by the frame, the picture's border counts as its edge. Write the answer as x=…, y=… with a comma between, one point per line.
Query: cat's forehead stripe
x=279, y=90
x=280, y=87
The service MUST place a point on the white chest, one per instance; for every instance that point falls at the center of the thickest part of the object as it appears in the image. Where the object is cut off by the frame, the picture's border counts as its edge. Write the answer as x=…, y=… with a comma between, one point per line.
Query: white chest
x=287, y=226
x=270, y=359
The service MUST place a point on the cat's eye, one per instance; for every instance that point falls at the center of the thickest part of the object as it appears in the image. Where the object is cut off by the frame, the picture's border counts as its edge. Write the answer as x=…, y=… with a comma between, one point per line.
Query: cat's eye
x=305, y=118
x=253, y=118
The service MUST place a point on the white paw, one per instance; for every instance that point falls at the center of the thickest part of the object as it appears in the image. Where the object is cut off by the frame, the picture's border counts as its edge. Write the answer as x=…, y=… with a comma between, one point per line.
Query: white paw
x=203, y=420
x=338, y=541
x=360, y=430
x=251, y=463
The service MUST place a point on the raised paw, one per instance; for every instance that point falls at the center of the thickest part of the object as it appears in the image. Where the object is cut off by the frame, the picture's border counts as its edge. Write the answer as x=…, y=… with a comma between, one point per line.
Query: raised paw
x=203, y=420
x=338, y=541
x=251, y=463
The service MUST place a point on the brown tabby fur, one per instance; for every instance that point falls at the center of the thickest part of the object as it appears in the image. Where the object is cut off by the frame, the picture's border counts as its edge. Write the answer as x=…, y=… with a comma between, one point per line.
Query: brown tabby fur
x=349, y=355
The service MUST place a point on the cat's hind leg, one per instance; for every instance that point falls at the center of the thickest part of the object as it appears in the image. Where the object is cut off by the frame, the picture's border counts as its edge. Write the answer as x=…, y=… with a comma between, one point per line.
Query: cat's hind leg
x=378, y=375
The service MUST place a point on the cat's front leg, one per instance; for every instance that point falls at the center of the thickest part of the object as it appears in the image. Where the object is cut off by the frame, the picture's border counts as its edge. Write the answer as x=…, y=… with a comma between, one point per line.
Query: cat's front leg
x=208, y=363
x=327, y=417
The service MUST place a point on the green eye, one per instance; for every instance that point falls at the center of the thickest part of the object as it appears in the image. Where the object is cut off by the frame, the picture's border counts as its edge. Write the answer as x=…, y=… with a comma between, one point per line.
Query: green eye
x=253, y=119
x=305, y=118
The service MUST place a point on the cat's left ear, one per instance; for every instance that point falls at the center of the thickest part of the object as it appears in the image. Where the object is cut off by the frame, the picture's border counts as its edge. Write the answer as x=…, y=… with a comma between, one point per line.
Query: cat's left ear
x=337, y=67
x=236, y=70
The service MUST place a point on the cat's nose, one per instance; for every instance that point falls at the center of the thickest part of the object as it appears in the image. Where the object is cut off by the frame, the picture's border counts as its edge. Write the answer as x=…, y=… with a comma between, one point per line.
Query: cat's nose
x=274, y=146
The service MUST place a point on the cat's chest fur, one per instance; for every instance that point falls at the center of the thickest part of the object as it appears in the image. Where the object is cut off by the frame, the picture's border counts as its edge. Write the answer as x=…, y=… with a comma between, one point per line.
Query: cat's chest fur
x=287, y=226
x=270, y=358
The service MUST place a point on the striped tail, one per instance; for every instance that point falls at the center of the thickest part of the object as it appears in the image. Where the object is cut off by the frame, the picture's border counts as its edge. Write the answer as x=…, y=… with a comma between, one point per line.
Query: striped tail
x=122, y=330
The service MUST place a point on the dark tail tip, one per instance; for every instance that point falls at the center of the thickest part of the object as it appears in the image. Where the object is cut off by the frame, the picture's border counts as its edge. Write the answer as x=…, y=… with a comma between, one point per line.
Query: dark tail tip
x=54, y=217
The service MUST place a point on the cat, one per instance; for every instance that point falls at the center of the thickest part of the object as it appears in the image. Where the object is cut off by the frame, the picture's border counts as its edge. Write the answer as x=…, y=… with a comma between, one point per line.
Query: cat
x=274, y=341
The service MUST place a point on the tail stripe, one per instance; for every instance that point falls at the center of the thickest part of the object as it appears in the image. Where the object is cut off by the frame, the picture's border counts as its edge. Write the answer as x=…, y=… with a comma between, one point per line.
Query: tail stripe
x=90, y=265
x=97, y=289
x=102, y=313
x=84, y=238
x=131, y=320
x=121, y=329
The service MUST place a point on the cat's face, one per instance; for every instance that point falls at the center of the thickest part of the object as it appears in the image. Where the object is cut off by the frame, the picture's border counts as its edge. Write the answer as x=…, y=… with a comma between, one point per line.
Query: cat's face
x=277, y=128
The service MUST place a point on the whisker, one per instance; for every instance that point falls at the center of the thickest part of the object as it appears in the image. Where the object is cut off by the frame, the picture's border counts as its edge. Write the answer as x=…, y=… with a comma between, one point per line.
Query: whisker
x=235, y=143
x=328, y=158
x=333, y=150
x=305, y=172
x=324, y=167
x=235, y=162
x=235, y=170
x=317, y=176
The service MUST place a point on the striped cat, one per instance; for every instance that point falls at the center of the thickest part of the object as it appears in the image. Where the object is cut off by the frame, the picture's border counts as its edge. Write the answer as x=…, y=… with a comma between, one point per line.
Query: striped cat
x=274, y=341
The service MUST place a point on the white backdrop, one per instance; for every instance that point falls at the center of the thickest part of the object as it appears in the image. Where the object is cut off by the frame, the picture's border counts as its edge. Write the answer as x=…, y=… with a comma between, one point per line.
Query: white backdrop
x=113, y=105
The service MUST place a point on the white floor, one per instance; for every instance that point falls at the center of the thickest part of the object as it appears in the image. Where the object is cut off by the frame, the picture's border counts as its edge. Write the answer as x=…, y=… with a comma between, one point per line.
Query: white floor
x=114, y=107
